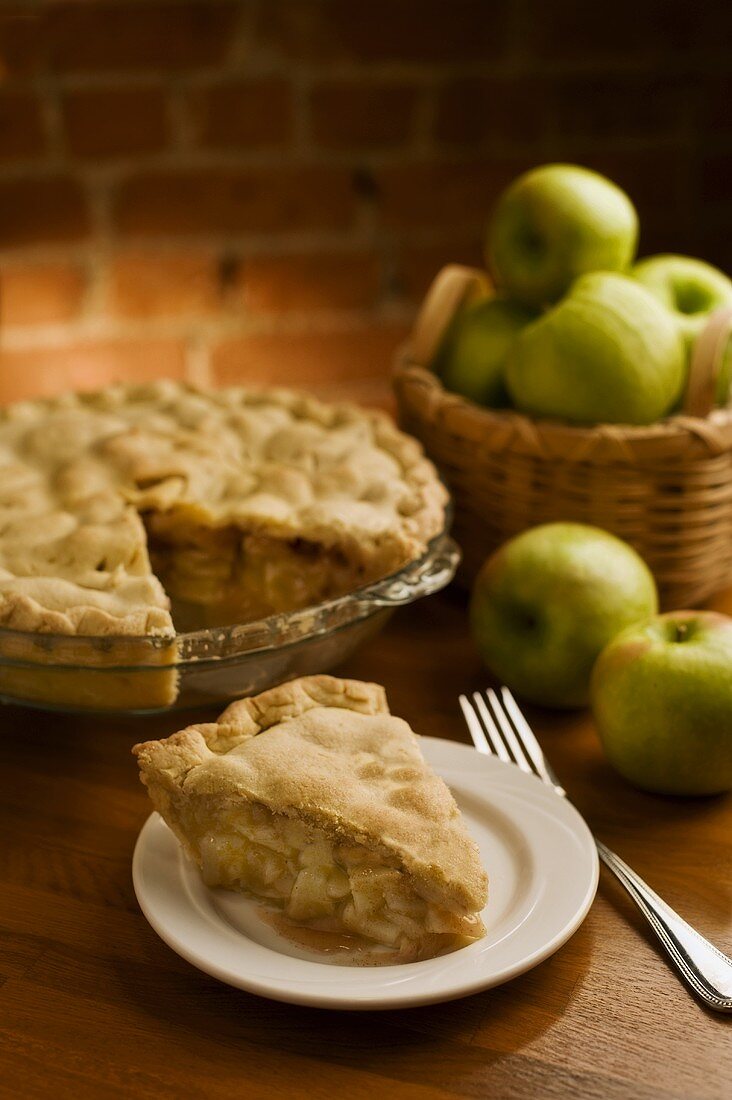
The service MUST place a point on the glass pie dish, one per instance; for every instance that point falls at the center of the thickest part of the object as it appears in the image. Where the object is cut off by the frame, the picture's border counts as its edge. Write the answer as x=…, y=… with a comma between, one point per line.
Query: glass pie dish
x=147, y=675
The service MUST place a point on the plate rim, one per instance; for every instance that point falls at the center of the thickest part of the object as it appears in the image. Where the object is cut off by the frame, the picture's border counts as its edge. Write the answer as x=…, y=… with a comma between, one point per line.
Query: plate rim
x=384, y=999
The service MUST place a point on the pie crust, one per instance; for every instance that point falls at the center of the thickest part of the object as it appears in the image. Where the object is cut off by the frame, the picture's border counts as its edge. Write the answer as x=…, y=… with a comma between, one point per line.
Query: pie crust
x=230, y=504
x=314, y=798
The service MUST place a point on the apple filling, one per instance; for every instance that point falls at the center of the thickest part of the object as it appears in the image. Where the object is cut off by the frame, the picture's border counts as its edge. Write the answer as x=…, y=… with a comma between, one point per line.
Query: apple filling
x=323, y=883
x=216, y=576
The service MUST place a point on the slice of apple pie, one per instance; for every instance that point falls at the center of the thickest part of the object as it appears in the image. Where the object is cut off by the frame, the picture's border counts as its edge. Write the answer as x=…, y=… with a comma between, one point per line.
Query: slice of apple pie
x=313, y=798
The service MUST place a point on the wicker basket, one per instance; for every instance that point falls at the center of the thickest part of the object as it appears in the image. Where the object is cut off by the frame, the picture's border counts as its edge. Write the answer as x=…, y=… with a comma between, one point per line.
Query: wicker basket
x=666, y=488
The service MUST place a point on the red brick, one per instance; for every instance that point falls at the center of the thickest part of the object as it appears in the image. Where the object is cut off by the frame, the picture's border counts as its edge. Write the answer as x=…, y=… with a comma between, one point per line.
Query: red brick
x=668, y=234
x=418, y=264
x=566, y=30
x=310, y=359
x=21, y=126
x=644, y=105
x=105, y=36
x=86, y=366
x=490, y=109
x=713, y=245
x=37, y=294
x=109, y=122
x=332, y=280
x=41, y=209
x=374, y=393
x=716, y=173
x=21, y=49
x=442, y=194
x=236, y=200
x=708, y=31
x=363, y=115
x=248, y=114
x=714, y=115
x=147, y=284
x=386, y=30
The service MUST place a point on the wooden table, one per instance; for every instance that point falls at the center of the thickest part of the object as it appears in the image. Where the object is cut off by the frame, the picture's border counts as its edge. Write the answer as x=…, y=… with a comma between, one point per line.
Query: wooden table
x=92, y=1003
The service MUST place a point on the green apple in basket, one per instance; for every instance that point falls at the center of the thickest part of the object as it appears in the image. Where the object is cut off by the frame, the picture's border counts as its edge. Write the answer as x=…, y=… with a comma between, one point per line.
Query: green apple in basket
x=607, y=352
x=548, y=601
x=472, y=358
x=662, y=701
x=555, y=223
x=692, y=290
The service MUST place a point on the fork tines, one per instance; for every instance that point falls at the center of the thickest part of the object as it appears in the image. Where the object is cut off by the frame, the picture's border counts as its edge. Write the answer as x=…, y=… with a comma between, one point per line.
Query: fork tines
x=498, y=727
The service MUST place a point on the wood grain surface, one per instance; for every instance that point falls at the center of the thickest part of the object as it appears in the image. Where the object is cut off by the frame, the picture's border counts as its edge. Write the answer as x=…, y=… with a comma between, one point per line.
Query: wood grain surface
x=93, y=1004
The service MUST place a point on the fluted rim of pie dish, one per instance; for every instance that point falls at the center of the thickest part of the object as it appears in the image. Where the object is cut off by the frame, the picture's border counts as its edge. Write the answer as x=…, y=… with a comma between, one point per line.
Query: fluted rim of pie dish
x=275, y=632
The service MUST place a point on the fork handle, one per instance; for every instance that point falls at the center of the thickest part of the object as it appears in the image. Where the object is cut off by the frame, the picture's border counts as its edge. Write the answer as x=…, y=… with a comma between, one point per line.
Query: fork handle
x=706, y=971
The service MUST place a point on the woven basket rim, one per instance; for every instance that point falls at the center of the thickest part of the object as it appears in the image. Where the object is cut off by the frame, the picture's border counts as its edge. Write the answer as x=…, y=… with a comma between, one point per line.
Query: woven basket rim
x=499, y=429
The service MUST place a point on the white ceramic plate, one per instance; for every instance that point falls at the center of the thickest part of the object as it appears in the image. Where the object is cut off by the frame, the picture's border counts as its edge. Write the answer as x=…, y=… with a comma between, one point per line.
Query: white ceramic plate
x=543, y=872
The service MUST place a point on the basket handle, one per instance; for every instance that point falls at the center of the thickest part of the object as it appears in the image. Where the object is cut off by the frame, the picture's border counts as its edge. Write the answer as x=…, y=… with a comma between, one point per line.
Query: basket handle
x=452, y=288
x=707, y=357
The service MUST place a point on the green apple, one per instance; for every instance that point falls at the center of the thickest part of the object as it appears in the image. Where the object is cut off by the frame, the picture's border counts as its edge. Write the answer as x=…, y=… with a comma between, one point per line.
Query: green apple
x=549, y=600
x=662, y=700
x=692, y=290
x=555, y=223
x=608, y=352
x=472, y=358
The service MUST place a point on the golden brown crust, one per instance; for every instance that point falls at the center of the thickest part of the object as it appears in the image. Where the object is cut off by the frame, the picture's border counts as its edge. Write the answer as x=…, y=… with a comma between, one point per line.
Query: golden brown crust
x=77, y=471
x=327, y=751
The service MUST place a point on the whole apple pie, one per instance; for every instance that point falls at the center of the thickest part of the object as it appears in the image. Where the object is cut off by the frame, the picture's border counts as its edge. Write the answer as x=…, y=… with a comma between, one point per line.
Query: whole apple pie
x=315, y=800
x=142, y=510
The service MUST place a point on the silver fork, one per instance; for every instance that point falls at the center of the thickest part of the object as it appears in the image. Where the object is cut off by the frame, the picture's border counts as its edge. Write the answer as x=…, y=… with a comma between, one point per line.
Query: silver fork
x=498, y=728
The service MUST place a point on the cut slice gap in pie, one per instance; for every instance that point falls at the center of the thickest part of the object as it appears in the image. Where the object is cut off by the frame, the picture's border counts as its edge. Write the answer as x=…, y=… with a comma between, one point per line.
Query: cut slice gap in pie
x=315, y=800
x=216, y=576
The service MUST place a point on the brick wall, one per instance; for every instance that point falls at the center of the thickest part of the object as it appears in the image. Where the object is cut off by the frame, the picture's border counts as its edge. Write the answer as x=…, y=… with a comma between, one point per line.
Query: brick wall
x=235, y=189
